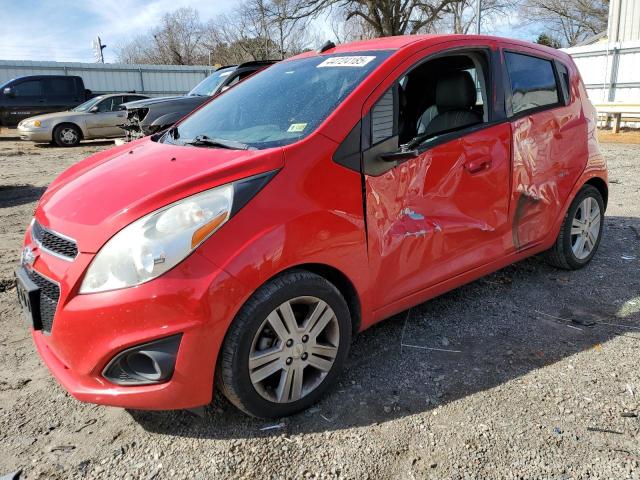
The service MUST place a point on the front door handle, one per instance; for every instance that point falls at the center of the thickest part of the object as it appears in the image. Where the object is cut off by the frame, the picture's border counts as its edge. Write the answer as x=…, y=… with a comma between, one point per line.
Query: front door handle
x=477, y=166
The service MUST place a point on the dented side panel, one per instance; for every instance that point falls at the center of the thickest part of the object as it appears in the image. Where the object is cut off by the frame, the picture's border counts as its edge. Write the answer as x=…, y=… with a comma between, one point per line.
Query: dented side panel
x=549, y=155
x=437, y=216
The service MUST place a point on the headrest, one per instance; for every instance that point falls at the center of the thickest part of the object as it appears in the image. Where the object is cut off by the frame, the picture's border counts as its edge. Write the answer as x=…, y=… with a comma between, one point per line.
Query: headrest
x=455, y=91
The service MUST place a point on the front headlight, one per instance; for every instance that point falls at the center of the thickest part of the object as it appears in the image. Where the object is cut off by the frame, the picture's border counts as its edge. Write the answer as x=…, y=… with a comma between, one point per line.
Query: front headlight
x=32, y=123
x=159, y=241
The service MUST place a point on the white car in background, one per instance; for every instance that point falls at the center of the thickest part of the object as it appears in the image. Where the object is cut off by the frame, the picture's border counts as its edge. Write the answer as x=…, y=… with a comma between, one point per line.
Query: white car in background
x=95, y=118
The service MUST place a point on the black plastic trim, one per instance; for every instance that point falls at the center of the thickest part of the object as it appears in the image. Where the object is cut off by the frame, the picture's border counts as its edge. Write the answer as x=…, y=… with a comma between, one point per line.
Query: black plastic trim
x=349, y=152
x=118, y=372
x=245, y=189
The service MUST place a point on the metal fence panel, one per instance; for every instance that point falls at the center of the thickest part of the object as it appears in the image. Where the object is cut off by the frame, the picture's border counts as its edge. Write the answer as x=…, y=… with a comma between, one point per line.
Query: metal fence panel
x=152, y=80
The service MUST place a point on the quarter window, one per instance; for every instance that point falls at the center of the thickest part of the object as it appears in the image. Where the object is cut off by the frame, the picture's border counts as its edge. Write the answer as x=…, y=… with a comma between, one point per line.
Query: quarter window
x=533, y=82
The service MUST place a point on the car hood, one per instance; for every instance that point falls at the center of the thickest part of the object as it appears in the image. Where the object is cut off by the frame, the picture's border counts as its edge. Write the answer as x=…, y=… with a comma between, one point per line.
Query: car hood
x=56, y=115
x=148, y=102
x=100, y=195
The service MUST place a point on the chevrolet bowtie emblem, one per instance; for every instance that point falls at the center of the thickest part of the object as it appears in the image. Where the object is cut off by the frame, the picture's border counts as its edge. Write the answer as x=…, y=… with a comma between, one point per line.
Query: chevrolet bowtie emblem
x=28, y=256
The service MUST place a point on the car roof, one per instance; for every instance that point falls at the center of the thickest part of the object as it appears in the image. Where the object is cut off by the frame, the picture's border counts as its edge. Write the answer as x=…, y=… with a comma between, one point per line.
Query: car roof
x=109, y=95
x=403, y=41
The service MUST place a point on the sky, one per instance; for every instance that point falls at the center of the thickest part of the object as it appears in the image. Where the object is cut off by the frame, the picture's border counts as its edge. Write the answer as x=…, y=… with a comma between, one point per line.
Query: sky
x=63, y=31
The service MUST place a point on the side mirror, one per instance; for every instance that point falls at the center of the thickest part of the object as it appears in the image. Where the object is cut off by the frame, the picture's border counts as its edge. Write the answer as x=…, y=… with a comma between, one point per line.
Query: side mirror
x=399, y=156
x=9, y=92
x=225, y=88
x=94, y=109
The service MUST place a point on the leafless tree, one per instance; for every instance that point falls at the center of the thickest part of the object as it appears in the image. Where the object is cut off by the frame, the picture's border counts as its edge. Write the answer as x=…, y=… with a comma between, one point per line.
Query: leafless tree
x=570, y=21
x=176, y=41
x=258, y=30
x=462, y=15
x=385, y=17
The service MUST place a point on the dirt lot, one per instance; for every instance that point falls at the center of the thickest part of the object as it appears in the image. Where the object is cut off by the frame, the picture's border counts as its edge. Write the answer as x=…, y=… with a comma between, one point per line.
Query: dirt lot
x=539, y=377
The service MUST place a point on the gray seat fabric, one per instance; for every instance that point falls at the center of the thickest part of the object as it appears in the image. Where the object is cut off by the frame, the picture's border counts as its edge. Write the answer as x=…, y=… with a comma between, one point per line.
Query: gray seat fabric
x=455, y=98
x=425, y=119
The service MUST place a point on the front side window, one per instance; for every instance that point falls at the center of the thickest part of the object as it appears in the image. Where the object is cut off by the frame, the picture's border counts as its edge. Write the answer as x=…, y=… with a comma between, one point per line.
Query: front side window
x=440, y=96
x=533, y=82
x=32, y=88
x=281, y=104
x=88, y=105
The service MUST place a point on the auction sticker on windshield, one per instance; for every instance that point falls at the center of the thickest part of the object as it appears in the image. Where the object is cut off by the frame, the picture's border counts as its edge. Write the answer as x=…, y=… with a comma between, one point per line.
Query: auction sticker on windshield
x=297, y=127
x=353, y=61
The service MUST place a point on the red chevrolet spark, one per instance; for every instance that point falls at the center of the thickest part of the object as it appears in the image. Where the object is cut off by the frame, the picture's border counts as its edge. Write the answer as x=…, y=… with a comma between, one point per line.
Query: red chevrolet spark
x=243, y=248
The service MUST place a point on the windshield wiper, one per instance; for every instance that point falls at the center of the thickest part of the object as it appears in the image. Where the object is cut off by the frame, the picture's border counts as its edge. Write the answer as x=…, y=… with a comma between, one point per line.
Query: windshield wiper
x=203, y=140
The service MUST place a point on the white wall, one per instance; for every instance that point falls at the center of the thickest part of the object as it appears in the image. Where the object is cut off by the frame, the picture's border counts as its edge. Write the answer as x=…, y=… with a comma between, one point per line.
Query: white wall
x=610, y=71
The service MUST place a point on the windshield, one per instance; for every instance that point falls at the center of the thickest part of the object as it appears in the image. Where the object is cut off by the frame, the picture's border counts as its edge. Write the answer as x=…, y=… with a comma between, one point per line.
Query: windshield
x=281, y=104
x=209, y=85
x=86, y=106
x=2, y=86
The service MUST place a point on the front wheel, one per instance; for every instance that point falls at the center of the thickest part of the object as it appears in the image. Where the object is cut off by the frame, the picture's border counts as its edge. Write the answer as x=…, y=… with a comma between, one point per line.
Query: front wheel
x=286, y=346
x=67, y=135
x=581, y=231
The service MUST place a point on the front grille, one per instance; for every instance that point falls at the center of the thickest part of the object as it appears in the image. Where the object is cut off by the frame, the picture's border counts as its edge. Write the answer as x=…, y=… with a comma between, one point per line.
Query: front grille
x=49, y=296
x=54, y=242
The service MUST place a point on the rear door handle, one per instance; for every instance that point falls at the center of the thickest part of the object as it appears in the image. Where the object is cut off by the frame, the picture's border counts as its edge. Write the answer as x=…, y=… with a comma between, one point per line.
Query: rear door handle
x=477, y=166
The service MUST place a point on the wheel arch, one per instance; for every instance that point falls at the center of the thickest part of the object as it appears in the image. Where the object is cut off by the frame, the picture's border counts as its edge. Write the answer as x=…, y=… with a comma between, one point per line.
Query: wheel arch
x=602, y=187
x=344, y=285
x=62, y=124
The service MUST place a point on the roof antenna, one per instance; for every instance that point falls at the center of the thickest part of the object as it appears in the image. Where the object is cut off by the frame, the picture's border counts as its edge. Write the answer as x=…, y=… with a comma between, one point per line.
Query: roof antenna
x=328, y=45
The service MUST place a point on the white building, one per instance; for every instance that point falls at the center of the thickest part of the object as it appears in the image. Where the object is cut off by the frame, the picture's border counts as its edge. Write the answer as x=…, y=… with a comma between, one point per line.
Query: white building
x=610, y=62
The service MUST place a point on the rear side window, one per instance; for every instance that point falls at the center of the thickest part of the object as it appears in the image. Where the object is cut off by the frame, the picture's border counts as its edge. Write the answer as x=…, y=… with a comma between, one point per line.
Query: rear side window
x=62, y=86
x=31, y=88
x=533, y=82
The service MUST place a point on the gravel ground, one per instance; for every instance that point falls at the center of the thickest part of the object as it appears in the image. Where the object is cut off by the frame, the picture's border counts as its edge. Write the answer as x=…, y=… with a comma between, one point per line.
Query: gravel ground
x=540, y=379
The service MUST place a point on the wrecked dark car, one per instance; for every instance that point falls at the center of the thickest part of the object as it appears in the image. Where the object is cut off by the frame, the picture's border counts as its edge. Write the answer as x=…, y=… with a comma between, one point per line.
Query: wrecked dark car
x=146, y=117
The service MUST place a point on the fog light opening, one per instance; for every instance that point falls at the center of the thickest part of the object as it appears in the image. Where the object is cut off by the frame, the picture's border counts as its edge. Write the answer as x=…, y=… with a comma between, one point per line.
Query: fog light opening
x=144, y=364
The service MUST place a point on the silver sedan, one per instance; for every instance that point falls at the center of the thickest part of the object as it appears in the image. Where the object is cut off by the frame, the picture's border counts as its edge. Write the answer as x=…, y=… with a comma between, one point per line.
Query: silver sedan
x=95, y=118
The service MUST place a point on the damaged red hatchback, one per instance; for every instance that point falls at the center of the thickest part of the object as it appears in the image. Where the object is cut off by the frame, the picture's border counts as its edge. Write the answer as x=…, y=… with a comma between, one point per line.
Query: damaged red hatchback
x=245, y=246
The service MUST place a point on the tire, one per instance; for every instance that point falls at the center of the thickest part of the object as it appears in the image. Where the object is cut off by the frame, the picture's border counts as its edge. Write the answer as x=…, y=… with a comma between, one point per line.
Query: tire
x=67, y=135
x=257, y=329
x=566, y=252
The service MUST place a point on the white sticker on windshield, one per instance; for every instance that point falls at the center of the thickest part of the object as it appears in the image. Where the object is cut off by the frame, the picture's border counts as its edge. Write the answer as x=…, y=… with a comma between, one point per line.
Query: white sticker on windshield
x=359, y=61
x=297, y=127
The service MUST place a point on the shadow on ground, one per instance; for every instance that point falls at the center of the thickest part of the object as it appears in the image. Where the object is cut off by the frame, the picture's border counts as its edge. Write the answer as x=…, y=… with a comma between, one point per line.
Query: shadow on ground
x=14, y=195
x=88, y=143
x=475, y=338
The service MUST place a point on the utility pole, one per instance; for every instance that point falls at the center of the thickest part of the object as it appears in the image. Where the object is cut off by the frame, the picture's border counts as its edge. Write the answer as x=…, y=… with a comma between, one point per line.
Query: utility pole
x=478, y=15
x=98, y=47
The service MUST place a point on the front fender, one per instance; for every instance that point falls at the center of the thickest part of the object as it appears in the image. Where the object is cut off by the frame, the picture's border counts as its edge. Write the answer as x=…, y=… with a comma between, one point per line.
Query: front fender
x=311, y=212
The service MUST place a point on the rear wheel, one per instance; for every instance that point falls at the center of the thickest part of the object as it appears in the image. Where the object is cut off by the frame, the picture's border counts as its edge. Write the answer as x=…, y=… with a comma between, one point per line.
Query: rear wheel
x=286, y=346
x=581, y=231
x=67, y=135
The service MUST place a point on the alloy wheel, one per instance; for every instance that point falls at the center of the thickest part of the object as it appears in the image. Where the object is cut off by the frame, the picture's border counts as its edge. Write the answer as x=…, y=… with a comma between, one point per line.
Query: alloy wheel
x=585, y=228
x=294, y=349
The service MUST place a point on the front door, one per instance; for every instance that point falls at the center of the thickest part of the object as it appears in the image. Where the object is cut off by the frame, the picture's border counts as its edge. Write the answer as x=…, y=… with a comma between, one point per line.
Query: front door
x=444, y=211
x=26, y=100
x=104, y=123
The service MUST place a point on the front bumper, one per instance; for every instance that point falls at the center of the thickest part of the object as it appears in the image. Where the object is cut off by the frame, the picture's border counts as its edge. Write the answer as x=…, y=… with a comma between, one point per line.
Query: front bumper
x=195, y=299
x=34, y=134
